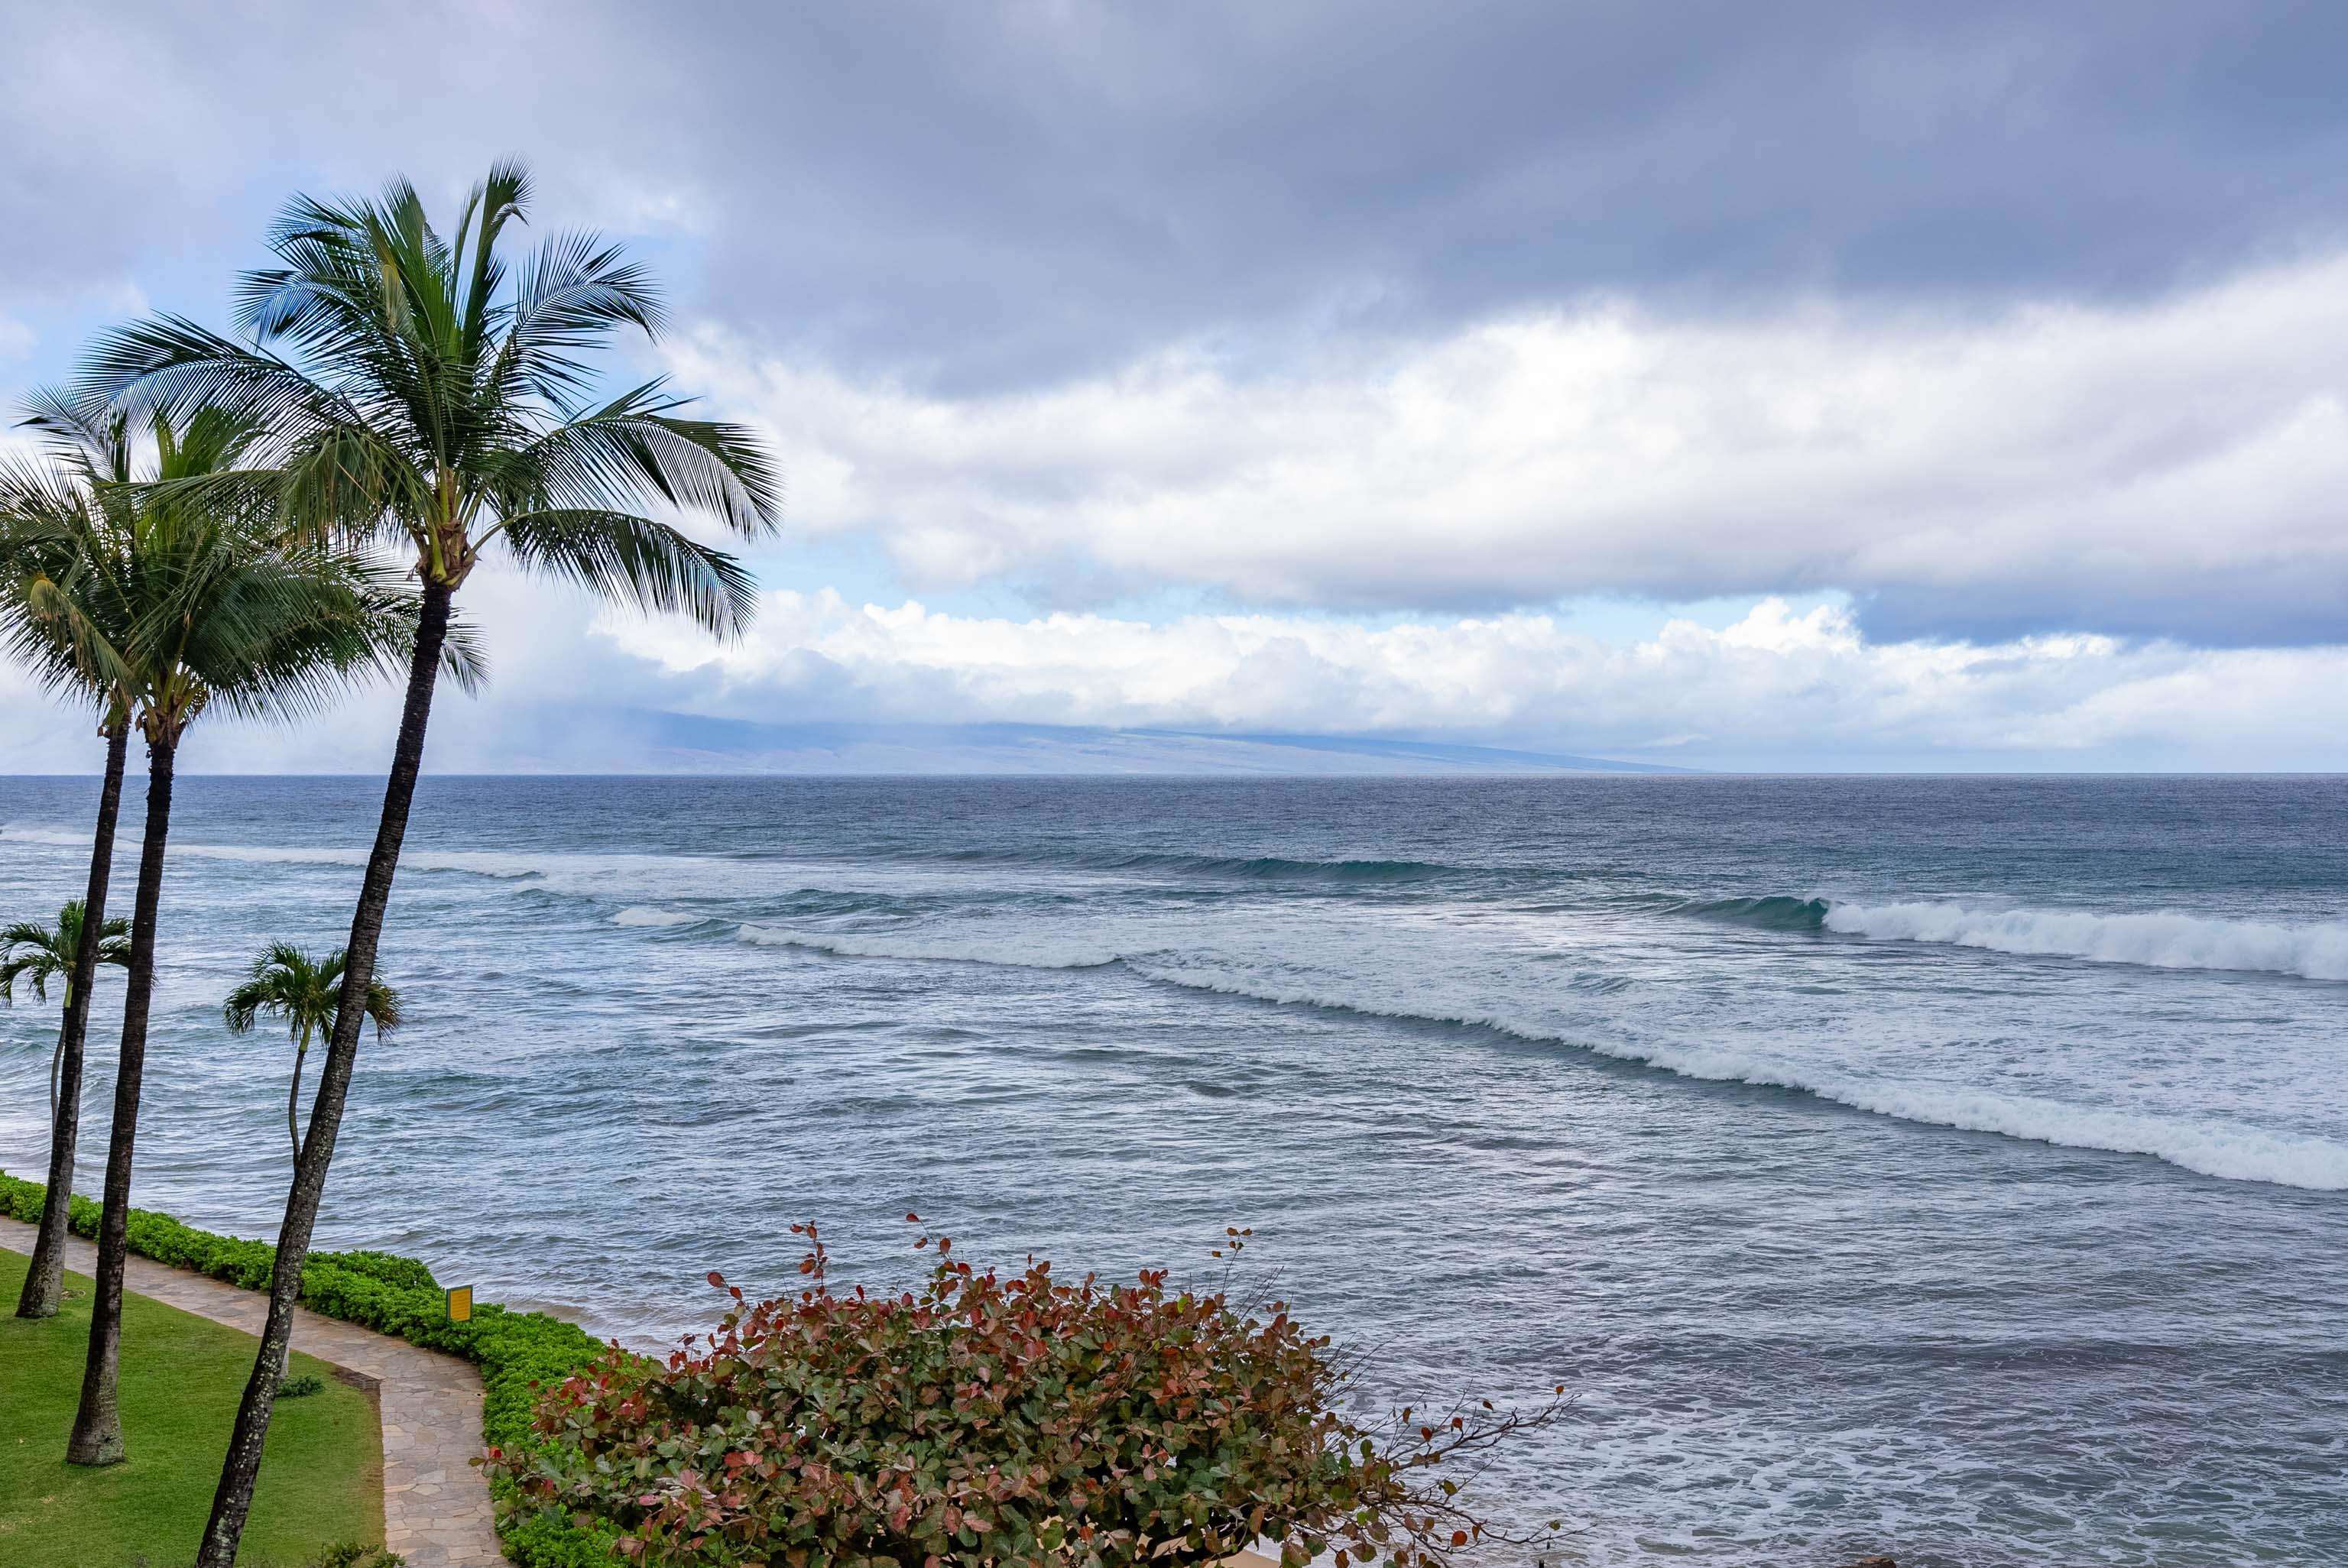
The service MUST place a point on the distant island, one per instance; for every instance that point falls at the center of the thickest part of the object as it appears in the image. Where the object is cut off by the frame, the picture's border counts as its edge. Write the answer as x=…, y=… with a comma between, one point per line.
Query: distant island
x=569, y=740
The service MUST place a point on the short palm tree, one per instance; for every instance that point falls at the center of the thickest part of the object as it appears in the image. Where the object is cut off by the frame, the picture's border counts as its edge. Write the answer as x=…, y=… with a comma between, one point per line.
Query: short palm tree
x=286, y=983
x=191, y=607
x=430, y=398
x=37, y=954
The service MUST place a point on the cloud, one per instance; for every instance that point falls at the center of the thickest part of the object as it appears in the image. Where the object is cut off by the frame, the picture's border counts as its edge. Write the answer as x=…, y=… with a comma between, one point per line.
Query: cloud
x=1769, y=689
x=2173, y=468
x=1775, y=687
x=2007, y=328
x=978, y=196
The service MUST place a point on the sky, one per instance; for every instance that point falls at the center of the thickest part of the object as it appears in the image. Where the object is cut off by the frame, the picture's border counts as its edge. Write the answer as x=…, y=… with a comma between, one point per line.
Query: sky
x=1810, y=386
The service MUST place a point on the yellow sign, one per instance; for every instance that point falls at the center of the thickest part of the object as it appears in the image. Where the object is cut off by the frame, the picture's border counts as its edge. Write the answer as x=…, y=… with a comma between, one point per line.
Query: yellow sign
x=460, y=1305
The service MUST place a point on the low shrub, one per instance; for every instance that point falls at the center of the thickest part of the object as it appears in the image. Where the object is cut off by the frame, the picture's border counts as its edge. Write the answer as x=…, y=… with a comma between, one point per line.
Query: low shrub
x=300, y=1386
x=997, y=1420
x=244, y=1264
x=518, y=1352
x=351, y=1555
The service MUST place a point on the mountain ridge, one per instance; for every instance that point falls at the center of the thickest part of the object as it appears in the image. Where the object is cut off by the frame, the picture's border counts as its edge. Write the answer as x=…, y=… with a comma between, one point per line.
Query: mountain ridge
x=660, y=741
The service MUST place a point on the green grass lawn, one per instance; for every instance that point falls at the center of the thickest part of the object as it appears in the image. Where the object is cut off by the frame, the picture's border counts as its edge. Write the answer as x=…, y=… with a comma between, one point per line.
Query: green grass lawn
x=320, y=1477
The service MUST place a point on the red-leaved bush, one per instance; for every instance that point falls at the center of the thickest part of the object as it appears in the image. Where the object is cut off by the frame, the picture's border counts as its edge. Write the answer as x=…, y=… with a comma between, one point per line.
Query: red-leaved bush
x=987, y=1420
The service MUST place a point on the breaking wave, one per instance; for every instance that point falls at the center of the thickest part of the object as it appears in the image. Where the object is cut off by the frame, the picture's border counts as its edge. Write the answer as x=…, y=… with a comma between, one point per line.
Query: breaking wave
x=2166, y=939
x=1027, y=953
x=558, y=865
x=2198, y=1140
x=1771, y=914
x=501, y=864
x=1258, y=867
x=642, y=915
x=2207, y=1146
x=2210, y=1146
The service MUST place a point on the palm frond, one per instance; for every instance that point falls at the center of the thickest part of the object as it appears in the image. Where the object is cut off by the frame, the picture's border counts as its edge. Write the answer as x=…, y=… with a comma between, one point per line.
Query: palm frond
x=502, y=199
x=170, y=364
x=187, y=588
x=60, y=579
x=636, y=447
x=637, y=561
x=577, y=290
x=36, y=954
x=287, y=983
x=405, y=387
x=29, y=969
x=384, y=1008
x=27, y=934
x=83, y=433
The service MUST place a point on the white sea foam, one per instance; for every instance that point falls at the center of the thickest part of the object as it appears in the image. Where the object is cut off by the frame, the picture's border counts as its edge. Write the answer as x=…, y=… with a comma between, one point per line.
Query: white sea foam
x=2207, y=1143
x=596, y=875
x=2210, y=1146
x=53, y=836
x=642, y=915
x=480, y=863
x=1022, y=953
x=2164, y=939
x=586, y=874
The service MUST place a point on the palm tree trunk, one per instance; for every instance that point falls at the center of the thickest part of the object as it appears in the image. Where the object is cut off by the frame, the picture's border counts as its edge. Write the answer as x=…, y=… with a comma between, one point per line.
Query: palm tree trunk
x=233, y=1500
x=97, y=1426
x=58, y=1056
x=44, y=1280
x=293, y=1099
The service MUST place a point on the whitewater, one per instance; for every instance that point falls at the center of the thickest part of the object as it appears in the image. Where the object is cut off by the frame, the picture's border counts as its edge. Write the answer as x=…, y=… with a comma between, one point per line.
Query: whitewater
x=2165, y=938
x=1946, y=1167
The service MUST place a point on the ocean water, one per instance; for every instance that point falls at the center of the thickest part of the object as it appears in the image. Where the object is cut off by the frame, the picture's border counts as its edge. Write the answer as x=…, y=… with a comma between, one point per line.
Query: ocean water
x=1952, y=1168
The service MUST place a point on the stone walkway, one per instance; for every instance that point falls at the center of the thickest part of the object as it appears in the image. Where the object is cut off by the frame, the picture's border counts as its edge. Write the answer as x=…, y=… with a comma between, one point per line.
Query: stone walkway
x=435, y=1506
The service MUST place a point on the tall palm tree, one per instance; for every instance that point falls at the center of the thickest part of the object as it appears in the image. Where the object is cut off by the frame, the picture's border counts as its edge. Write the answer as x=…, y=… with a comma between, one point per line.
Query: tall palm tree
x=221, y=613
x=37, y=954
x=428, y=397
x=287, y=983
x=63, y=521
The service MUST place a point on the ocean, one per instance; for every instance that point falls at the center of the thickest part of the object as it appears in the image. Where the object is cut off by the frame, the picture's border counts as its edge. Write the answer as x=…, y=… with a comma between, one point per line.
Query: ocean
x=1949, y=1167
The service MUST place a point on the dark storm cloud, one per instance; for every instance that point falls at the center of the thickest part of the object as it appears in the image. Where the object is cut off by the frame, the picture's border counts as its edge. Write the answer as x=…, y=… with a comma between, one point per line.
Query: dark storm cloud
x=976, y=196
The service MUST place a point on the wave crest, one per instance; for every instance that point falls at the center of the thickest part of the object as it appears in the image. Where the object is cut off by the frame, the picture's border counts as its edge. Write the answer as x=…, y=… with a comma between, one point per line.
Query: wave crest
x=2168, y=939
x=1774, y=913
x=2208, y=1145
x=1008, y=954
x=1252, y=867
x=644, y=914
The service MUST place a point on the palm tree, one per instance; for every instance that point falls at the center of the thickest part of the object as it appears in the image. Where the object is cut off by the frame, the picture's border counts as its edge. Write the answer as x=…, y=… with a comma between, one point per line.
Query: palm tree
x=432, y=398
x=287, y=983
x=215, y=611
x=37, y=954
x=62, y=522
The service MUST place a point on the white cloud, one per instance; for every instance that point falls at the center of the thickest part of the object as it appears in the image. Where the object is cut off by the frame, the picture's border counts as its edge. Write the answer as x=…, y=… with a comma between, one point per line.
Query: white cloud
x=2185, y=459
x=2170, y=467
x=1773, y=688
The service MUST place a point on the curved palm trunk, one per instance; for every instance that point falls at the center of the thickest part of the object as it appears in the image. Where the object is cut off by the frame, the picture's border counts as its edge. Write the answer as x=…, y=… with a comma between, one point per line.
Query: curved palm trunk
x=233, y=1500
x=44, y=1280
x=293, y=1099
x=97, y=1426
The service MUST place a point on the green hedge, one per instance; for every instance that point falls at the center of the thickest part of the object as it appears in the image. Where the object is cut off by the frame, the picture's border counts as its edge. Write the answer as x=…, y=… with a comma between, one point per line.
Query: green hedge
x=516, y=1351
